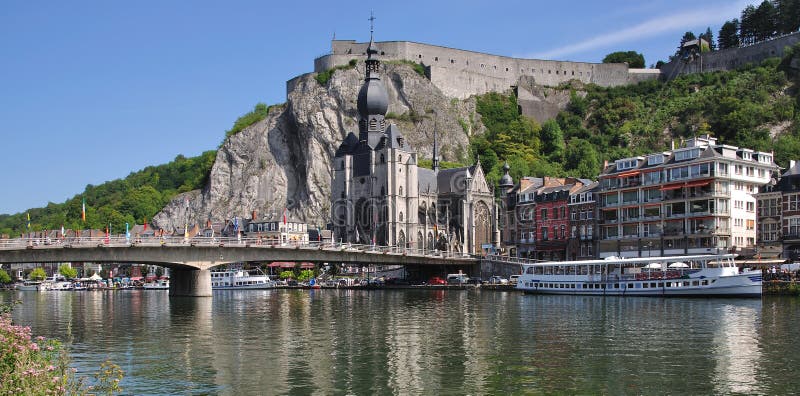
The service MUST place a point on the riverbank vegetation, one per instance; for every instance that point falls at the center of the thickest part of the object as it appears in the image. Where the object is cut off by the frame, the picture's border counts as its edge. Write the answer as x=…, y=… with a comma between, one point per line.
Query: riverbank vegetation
x=38, y=366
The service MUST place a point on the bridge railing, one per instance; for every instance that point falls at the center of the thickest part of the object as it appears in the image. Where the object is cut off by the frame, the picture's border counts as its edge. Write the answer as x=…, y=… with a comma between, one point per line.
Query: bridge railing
x=172, y=241
x=510, y=260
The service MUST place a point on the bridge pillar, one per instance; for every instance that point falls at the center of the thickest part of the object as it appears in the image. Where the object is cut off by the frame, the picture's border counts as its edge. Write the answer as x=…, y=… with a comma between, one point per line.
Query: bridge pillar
x=190, y=283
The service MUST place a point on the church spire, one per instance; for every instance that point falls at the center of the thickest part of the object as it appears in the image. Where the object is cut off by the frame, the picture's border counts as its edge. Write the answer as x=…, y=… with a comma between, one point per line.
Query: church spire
x=373, y=100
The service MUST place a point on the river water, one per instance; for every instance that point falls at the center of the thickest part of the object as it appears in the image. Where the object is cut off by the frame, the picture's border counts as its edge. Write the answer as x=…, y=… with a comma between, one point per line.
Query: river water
x=423, y=342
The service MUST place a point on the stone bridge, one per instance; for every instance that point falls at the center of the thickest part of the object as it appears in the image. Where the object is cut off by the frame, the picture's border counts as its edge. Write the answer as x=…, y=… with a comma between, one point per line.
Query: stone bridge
x=190, y=259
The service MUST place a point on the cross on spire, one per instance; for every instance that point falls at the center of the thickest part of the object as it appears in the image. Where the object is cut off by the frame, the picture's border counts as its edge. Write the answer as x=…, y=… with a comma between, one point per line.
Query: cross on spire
x=371, y=24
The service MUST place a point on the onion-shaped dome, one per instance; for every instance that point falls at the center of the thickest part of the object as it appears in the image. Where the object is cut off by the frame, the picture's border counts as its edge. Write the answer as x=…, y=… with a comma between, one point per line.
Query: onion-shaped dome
x=373, y=99
x=506, y=181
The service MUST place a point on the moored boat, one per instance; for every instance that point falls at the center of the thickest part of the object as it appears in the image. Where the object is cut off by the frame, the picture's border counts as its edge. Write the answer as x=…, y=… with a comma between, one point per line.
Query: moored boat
x=700, y=275
x=159, y=284
x=33, y=286
x=240, y=279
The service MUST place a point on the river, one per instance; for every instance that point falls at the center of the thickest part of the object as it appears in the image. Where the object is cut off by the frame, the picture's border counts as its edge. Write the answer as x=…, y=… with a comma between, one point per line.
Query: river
x=423, y=341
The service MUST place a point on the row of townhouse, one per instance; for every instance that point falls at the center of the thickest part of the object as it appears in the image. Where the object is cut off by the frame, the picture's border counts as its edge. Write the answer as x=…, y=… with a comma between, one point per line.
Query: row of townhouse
x=778, y=217
x=696, y=199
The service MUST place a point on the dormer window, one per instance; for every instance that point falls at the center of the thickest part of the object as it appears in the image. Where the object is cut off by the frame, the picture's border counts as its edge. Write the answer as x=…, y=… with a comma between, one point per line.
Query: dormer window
x=626, y=164
x=684, y=155
x=655, y=159
x=400, y=142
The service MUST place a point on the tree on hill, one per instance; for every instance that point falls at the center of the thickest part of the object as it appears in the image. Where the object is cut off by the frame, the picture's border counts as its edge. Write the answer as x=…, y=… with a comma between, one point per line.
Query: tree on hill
x=788, y=15
x=632, y=58
x=728, y=36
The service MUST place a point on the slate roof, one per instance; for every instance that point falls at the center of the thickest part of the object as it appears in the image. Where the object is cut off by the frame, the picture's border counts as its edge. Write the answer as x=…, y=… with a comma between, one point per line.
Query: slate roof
x=426, y=179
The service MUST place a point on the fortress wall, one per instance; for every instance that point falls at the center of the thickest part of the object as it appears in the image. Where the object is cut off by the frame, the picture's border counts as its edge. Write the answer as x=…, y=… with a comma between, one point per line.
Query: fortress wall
x=636, y=76
x=461, y=73
x=731, y=58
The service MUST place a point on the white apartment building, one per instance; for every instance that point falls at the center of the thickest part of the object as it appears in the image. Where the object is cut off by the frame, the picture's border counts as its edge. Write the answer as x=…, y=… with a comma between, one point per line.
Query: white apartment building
x=696, y=199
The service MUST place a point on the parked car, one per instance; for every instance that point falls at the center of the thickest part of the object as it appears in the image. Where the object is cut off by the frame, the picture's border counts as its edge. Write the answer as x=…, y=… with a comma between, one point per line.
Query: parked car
x=457, y=279
x=513, y=279
x=435, y=280
x=475, y=281
x=498, y=280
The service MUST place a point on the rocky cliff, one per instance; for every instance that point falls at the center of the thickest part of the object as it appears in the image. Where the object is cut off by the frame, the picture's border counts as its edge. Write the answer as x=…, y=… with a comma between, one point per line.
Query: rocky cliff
x=284, y=160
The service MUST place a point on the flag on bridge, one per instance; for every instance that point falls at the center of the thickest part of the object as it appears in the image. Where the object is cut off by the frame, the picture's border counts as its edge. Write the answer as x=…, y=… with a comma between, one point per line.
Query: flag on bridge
x=83, y=210
x=284, y=216
x=28, y=224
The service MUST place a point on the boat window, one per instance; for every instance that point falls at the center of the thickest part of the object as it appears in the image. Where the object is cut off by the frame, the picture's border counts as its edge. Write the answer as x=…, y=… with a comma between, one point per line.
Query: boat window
x=616, y=285
x=630, y=285
x=705, y=283
x=669, y=284
x=572, y=286
x=653, y=284
x=644, y=285
x=530, y=270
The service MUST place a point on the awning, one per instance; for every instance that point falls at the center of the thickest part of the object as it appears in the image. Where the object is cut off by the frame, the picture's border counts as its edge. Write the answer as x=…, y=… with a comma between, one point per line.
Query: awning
x=136, y=278
x=671, y=186
x=626, y=174
x=698, y=183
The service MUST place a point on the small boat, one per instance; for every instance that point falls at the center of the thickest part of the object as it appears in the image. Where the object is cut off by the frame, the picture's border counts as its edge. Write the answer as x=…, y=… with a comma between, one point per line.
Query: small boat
x=240, y=279
x=33, y=286
x=700, y=275
x=160, y=284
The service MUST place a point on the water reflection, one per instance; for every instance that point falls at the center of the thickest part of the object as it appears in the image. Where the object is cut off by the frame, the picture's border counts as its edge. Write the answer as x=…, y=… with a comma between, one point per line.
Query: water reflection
x=464, y=342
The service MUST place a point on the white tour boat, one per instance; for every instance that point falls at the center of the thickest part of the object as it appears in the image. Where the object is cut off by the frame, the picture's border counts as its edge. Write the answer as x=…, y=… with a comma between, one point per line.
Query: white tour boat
x=701, y=275
x=240, y=279
x=159, y=284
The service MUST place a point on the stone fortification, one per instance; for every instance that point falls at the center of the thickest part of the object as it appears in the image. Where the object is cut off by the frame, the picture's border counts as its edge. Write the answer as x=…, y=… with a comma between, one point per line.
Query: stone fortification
x=460, y=73
x=731, y=58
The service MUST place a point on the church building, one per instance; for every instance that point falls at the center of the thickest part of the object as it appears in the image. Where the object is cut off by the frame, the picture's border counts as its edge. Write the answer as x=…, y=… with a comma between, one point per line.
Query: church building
x=380, y=196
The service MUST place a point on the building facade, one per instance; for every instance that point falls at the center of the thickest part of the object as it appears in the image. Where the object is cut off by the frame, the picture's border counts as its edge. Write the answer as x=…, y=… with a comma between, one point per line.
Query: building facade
x=699, y=198
x=582, y=210
x=380, y=196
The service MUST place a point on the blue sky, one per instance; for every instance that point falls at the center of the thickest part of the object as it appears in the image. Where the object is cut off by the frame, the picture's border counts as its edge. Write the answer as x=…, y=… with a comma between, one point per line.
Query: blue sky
x=93, y=90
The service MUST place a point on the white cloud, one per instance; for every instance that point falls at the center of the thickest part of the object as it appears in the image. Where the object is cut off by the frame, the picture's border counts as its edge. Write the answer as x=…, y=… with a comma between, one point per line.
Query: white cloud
x=696, y=16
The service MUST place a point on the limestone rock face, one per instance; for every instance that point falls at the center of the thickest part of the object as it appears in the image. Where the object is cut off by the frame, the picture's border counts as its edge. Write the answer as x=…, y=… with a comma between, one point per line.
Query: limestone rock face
x=284, y=160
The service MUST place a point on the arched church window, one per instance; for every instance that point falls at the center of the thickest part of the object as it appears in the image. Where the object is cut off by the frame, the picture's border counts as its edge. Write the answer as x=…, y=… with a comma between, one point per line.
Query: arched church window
x=383, y=159
x=342, y=194
x=401, y=216
x=383, y=191
x=401, y=190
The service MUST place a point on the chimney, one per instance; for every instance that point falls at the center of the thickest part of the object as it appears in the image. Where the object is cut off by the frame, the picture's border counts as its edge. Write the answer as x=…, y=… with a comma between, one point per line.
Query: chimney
x=605, y=164
x=254, y=216
x=791, y=164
